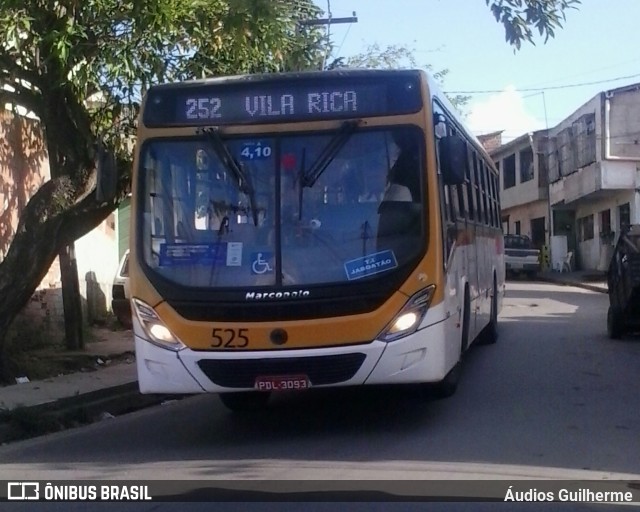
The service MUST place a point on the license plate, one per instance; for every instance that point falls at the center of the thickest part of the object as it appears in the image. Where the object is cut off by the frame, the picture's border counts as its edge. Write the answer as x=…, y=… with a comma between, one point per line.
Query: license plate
x=282, y=383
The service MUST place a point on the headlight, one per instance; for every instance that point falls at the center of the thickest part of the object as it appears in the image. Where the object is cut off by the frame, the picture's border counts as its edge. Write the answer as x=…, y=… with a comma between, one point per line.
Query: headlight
x=408, y=320
x=154, y=329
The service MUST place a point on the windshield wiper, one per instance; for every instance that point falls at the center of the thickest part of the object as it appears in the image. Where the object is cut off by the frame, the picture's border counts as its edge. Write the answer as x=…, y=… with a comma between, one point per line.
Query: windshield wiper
x=328, y=153
x=242, y=180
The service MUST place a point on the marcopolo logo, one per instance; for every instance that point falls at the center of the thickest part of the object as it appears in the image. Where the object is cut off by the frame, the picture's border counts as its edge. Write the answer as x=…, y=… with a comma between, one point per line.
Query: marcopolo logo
x=296, y=294
x=23, y=491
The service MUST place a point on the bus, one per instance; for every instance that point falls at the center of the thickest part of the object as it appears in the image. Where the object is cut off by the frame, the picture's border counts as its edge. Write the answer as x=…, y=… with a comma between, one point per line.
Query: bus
x=304, y=230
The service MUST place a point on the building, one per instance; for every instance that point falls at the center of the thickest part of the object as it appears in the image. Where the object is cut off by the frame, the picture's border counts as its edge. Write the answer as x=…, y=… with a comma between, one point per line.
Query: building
x=524, y=191
x=583, y=175
x=594, y=174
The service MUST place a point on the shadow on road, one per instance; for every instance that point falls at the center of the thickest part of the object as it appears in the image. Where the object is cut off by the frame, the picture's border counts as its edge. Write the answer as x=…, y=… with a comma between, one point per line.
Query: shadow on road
x=554, y=391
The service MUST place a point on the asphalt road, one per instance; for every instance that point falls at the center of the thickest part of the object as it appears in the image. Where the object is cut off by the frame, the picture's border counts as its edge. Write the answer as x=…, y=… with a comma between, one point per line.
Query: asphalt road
x=554, y=398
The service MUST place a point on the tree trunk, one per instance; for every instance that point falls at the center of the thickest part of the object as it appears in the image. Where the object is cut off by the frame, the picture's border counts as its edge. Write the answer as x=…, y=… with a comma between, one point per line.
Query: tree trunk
x=47, y=224
x=71, y=299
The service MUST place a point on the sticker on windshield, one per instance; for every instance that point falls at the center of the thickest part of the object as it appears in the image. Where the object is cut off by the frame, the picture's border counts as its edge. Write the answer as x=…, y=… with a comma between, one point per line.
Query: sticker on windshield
x=234, y=254
x=256, y=150
x=370, y=264
x=262, y=263
x=192, y=254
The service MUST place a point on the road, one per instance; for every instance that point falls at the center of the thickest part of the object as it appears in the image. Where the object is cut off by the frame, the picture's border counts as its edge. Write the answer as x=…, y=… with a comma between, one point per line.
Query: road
x=554, y=398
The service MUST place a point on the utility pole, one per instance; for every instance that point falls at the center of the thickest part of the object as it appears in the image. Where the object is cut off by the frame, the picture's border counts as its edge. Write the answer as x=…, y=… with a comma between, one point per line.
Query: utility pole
x=330, y=20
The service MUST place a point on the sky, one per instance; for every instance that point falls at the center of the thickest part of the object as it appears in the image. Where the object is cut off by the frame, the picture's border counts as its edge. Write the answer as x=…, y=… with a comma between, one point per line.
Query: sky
x=530, y=89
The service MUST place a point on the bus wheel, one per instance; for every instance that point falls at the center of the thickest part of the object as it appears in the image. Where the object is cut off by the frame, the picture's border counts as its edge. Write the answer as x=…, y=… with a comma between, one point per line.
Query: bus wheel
x=489, y=334
x=245, y=401
x=615, y=323
x=449, y=385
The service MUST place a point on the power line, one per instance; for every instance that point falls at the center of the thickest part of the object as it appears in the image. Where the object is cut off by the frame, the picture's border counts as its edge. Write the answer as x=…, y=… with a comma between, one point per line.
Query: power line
x=541, y=89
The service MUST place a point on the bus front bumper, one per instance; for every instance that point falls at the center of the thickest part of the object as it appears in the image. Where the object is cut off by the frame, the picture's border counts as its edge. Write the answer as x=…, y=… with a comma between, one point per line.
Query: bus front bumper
x=420, y=357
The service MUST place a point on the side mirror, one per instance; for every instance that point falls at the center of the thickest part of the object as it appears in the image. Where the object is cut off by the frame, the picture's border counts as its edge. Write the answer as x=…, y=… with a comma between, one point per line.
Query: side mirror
x=453, y=159
x=107, y=171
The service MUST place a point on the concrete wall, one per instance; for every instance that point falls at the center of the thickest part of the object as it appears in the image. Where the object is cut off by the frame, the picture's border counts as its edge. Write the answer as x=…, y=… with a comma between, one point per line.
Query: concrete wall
x=524, y=214
x=592, y=253
x=622, y=113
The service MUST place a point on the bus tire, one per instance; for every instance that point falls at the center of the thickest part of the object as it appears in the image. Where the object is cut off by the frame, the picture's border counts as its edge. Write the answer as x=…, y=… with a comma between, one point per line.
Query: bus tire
x=489, y=334
x=615, y=322
x=449, y=385
x=245, y=401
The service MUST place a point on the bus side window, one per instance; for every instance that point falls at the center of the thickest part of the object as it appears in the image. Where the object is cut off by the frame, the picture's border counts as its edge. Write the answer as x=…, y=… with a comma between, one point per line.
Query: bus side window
x=469, y=185
x=477, y=187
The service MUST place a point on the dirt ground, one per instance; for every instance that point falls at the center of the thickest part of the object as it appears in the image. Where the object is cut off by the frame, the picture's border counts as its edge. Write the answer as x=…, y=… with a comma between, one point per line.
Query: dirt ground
x=103, y=346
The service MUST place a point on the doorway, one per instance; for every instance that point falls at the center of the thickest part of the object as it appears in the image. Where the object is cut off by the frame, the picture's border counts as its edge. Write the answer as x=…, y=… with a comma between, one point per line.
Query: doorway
x=538, y=237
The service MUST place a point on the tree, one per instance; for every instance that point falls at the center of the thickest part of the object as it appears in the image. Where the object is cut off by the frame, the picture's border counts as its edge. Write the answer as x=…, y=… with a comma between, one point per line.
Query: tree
x=393, y=57
x=82, y=66
x=521, y=17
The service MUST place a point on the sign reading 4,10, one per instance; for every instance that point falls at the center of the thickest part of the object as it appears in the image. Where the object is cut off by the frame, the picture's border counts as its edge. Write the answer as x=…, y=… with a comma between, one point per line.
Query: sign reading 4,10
x=255, y=151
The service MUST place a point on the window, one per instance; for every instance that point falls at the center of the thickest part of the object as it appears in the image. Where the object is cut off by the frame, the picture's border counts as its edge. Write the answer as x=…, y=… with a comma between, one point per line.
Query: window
x=496, y=196
x=485, y=194
x=450, y=199
x=605, y=222
x=509, y=172
x=477, y=186
x=469, y=187
x=624, y=217
x=585, y=228
x=367, y=200
x=517, y=227
x=526, y=165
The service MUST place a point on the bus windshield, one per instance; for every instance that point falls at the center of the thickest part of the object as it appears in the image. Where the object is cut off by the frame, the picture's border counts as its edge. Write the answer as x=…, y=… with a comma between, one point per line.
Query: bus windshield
x=360, y=216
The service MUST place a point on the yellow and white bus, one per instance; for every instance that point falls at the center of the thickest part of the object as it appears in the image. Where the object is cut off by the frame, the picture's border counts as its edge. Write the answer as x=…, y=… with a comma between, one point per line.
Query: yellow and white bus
x=293, y=231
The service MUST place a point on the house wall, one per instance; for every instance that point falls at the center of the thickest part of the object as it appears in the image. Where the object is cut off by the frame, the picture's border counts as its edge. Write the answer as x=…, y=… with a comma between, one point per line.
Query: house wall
x=594, y=254
x=622, y=117
x=24, y=167
x=524, y=213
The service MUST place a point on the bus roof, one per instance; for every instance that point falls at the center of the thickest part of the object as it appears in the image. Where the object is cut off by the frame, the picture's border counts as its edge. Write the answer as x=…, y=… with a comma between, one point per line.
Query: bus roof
x=294, y=75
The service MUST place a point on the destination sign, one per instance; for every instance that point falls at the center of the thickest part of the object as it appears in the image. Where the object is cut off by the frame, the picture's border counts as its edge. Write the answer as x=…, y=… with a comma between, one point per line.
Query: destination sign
x=294, y=99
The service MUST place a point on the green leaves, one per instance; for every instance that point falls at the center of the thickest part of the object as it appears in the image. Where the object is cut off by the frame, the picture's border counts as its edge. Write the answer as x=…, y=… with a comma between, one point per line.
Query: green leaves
x=88, y=62
x=520, y=17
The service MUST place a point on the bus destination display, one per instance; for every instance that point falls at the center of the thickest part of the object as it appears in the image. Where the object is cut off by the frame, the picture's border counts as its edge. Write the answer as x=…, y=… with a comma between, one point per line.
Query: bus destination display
x=265, y=103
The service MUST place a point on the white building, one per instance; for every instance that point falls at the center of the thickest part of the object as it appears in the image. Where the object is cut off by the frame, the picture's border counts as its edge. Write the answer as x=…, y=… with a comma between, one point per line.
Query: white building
x=583, y=174
x=594, y=174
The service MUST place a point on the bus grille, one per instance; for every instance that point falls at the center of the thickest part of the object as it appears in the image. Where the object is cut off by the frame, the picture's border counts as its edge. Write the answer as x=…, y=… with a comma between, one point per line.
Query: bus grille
x=242, y=373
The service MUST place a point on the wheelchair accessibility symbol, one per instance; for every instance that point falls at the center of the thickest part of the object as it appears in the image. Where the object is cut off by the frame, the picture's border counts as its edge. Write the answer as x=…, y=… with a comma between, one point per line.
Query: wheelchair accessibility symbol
x=261, y=263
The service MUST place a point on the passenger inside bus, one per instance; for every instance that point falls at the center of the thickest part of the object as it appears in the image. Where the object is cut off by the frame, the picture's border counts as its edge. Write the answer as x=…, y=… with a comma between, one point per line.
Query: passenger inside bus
x=400, y=209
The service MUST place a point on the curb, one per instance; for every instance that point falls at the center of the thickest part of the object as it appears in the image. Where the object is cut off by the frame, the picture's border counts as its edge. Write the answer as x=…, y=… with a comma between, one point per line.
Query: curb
x=577, y=284
x=86, y=408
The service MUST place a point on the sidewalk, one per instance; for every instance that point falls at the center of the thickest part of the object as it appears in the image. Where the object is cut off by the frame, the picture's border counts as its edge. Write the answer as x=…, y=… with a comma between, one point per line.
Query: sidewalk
x=108, y=387
x=587, y=279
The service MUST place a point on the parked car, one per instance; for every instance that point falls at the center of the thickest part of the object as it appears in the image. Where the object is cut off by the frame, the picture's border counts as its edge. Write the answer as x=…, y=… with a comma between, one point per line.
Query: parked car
x=120, y=295
x=520, y=257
